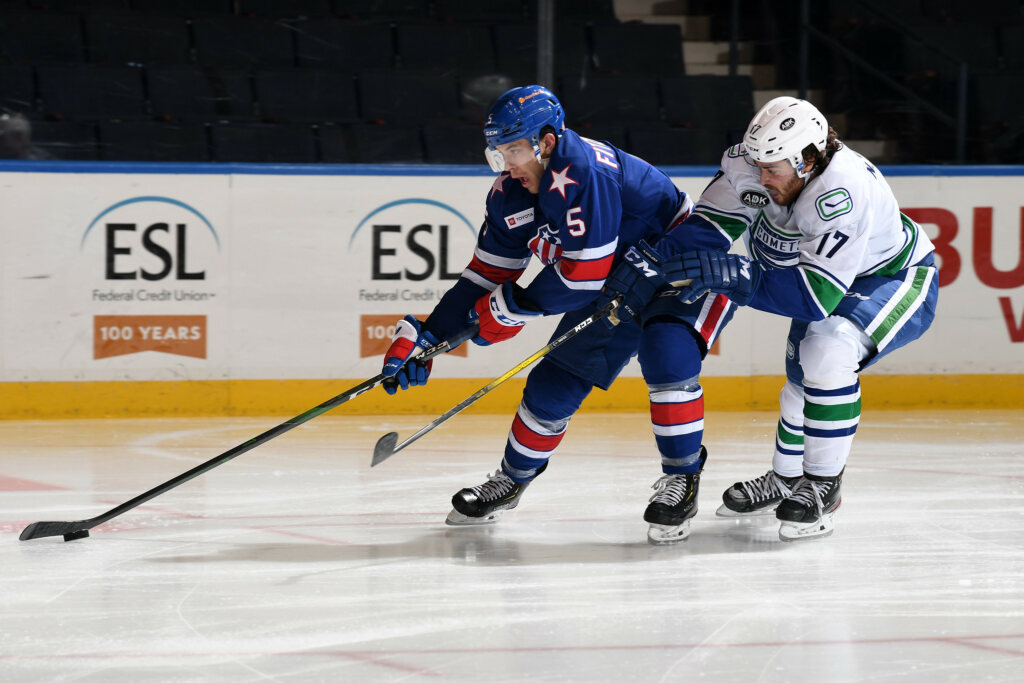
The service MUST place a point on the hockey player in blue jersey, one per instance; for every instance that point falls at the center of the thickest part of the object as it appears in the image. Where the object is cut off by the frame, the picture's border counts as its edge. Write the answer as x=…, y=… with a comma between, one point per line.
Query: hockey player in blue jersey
x=579, y=206
x=829, y=249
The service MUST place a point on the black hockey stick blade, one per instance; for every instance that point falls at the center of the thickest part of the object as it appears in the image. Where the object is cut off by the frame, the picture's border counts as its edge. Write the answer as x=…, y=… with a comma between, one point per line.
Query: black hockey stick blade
x=385, y=448
x=80, y=529
x=69, y=530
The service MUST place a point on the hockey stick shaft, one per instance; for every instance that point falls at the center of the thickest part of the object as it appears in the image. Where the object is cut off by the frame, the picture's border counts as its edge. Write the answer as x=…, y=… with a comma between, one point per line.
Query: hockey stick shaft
x=386, y=445
x=79, y=529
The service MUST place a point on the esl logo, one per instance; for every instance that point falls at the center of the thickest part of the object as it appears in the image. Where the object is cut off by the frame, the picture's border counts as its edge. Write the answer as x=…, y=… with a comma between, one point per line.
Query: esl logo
x=414, y=239
x=153, y=238
x=753, y=199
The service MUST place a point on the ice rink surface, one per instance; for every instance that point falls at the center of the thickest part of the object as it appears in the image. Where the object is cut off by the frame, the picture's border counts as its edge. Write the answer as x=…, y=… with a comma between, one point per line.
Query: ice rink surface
x=297, y=562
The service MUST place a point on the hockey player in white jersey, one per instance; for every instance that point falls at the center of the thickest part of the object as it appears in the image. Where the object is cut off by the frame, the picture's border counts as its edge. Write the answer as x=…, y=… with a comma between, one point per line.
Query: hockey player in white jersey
x=829, y=249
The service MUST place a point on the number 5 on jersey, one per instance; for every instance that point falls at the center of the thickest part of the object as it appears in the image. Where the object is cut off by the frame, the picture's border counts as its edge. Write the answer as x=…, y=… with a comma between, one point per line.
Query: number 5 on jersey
x=576, y=225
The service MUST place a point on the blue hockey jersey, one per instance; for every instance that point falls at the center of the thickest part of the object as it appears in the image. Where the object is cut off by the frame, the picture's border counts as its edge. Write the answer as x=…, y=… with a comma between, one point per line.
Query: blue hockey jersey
x=594, y=202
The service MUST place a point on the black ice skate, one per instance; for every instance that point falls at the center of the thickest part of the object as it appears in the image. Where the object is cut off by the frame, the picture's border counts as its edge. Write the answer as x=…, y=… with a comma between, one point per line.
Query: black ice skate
x=484, y=504
x=759, y=496
x=673, y=505
x=809, y=511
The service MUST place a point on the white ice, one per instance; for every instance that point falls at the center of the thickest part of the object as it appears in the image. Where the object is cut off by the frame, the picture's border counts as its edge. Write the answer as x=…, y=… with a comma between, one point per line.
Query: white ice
x=298, y=562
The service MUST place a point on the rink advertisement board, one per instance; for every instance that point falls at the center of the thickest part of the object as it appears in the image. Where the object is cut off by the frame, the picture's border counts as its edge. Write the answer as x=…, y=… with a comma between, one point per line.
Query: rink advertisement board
x=144, y=273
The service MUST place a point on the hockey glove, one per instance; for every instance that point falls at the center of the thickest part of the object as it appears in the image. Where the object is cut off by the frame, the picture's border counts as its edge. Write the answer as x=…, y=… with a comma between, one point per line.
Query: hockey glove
x=398, y=370
x=637, y=278
x=500, y=316
x=716, y=271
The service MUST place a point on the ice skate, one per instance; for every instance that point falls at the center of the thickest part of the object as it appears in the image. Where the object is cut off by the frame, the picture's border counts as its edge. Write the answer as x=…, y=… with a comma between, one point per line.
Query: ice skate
x=484, y=504
x=756, y=497
x=809, y=512
x=673, y=505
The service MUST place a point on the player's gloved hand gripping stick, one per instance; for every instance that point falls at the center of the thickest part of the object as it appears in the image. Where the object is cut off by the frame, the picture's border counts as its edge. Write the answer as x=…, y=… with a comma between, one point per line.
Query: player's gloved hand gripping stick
x=386, y=447
x=80, y=529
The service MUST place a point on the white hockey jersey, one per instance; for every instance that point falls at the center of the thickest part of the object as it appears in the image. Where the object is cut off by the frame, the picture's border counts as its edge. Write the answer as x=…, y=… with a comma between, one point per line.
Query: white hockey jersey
x=844, y=224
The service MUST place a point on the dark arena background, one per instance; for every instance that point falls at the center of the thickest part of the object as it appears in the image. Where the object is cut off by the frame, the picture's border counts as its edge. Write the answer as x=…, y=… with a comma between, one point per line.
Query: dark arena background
x=214, y=213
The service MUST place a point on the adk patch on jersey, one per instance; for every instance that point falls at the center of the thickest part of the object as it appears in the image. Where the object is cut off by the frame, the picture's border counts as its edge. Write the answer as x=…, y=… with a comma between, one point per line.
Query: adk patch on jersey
x=754, y=199
x=521, y=218
x=834, y=203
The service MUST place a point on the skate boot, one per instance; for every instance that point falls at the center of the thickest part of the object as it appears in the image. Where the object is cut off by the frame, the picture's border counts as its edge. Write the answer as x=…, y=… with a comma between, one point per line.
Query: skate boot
x=673, y=505
x=484, y=504
x=809, y=511
x=759, y=496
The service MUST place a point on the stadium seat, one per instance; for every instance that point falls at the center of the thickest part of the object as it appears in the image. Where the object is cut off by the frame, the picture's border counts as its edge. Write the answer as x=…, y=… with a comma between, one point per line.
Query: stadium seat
x=516, y=51
x=39, y=38
x=65, y=140
x=390, y=10
x=263, y=142
x=638, y=48
x=239, y=41
x=345, y=45
x=998, y=97
x=297, y=94
x=591, y=11
x=91, y=92
x=947, y=44
x=607, y=132
x=453, y=143
x=403, y=97
x=708, y=101
x=370, y=143
x=665, y=146
x=185, y=93
x=188, y=9
x=153, y=141
x=17, y=91
x=459, y=49
x=81, y=6
x=480, y=11
x=137, y=39
x=1011, y=39
x=285, y=9
x=603, y=98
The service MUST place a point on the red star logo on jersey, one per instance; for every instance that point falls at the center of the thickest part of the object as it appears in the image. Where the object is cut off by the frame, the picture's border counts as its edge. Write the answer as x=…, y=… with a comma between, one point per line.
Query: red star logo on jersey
x=498, y=185
x=560, y=179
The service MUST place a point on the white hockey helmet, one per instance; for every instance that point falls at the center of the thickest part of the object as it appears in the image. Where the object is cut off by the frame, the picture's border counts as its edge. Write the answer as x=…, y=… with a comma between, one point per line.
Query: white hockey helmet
x=783, y=128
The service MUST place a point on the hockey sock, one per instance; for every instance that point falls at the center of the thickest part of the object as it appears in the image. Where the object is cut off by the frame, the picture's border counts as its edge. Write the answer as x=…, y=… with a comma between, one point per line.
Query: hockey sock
x=789, y=434
x=677, y=399
x=551, y=397
x=831, y=417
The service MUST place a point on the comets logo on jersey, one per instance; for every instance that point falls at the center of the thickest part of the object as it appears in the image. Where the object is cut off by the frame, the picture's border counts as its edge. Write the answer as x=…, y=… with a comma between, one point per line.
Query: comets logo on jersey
x=546, y=245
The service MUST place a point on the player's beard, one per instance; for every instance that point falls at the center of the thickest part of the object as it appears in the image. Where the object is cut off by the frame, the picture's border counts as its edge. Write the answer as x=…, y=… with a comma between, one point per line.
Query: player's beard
x=787, y=194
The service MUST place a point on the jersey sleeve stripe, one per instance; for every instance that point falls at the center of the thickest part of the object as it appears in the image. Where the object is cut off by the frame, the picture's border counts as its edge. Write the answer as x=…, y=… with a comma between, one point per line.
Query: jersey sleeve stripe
x=508, y=263
x=730, y=225
x=902, y=258
x=487, y=275
x=825, y=294
x=592, y=253
x=577, y=273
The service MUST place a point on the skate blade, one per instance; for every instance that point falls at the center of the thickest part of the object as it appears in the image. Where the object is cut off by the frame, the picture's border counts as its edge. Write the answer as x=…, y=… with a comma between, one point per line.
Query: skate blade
x=723, y=511
x=662, y=534
x=456, y=518
x=793, y=531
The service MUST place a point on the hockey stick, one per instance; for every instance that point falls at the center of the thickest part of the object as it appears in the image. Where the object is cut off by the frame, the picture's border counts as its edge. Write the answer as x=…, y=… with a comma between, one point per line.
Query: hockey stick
x=80, y=529
x=386, y=447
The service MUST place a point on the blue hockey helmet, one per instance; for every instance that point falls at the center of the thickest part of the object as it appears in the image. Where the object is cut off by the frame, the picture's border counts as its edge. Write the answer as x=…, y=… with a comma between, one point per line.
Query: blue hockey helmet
x=521, y=113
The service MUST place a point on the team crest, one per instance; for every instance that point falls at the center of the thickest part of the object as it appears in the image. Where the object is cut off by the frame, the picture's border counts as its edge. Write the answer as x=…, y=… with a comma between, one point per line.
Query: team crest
x=546, y=245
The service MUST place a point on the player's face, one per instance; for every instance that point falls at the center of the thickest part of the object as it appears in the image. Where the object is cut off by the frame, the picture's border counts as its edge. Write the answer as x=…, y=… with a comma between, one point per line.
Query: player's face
x=521, y=163
x=781, y=181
